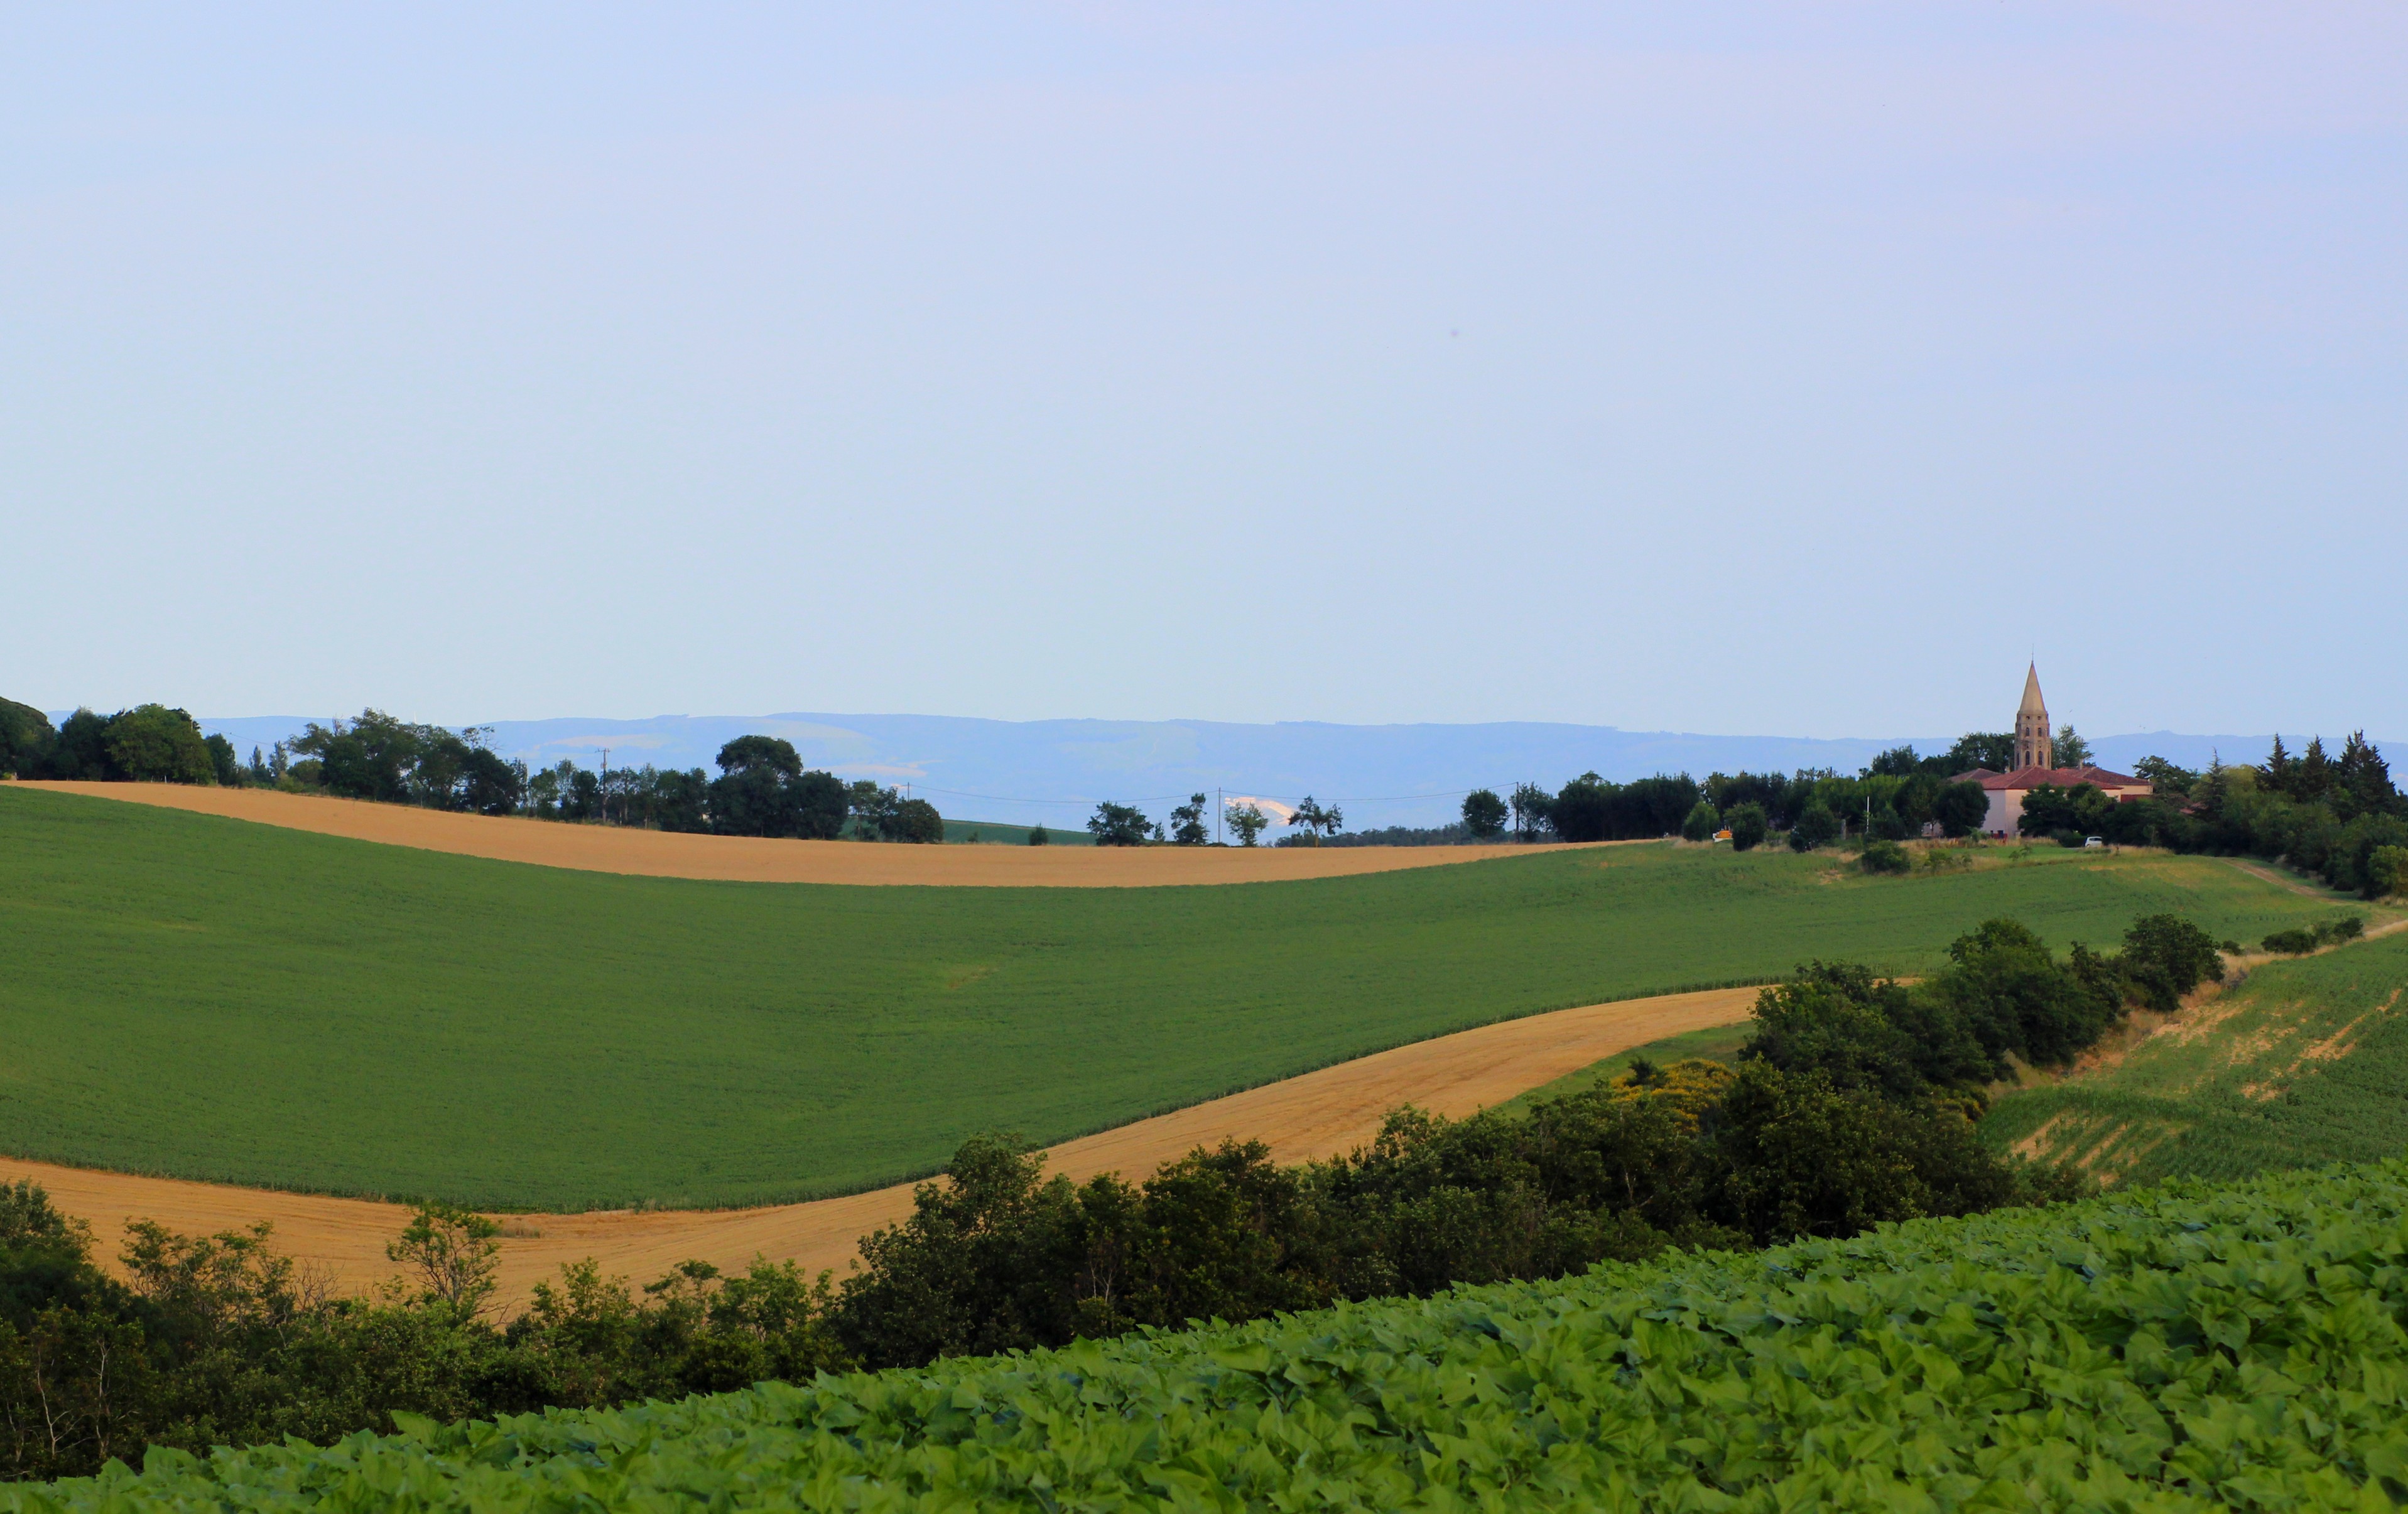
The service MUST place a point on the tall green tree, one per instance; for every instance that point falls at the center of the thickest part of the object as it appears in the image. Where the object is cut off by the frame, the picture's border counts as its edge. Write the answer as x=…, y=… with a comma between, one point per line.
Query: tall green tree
x=914, y=820
x=763, y=790
x=1119, y=825
x=1993, y=750
x=872, y=807
x=1533, y=811
x=26, y=738
x=1960, y=808
x=1187, y=824
x=153, y=744
x=80, y=753
x=1484, y=815
x=1317, y=818
x=1248, y=820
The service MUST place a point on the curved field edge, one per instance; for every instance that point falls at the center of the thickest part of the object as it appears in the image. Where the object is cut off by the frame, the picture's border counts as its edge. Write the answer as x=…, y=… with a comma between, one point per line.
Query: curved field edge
x=2191, y=1346
x=2304, y=1062
x=734, y=859
x=201, y=998
x=1318, y=1114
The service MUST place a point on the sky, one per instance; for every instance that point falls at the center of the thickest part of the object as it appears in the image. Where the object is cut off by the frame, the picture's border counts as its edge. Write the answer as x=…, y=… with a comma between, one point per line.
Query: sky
x=1799, y=368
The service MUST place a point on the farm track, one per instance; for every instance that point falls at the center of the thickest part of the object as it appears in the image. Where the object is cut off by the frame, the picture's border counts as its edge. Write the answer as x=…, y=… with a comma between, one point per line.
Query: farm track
x=599, y=848
x=1319, y=1114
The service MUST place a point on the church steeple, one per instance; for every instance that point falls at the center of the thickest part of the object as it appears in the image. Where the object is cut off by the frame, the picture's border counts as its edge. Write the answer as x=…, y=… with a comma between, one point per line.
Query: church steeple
x=2033, y=747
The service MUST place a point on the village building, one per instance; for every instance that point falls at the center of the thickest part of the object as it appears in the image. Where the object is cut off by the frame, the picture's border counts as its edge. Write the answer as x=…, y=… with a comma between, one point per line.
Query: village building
x=2035, y=763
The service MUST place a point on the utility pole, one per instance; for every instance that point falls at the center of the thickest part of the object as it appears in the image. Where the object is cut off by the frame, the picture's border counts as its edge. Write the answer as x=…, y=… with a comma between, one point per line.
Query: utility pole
x=1220, y=812
x=604, y=792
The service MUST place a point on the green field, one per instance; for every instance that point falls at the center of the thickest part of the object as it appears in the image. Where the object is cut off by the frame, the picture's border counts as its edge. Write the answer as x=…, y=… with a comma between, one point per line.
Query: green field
x=205, y=998
x=994, y=832
x=1716, y=1043
x=2305, y=1062
x=2192, y=1348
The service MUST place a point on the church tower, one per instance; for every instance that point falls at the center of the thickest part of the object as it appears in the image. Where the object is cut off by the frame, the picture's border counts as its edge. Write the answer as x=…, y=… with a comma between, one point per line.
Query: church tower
x=2033, y=747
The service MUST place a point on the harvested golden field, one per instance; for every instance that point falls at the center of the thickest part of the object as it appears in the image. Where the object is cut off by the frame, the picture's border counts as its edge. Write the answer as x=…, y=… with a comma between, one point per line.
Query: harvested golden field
x=599, y=848
x=1319, y=1114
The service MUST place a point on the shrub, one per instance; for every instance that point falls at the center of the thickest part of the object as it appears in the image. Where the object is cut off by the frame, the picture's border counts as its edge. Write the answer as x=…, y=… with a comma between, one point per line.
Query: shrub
x=2165, y=957
x=2291, y=943
x=914, y=820
x=2348, y=928
x=1747, y=825
x=1881, y=855
x=2070, y=840
x=1960, y=808
x=1039, y=837
x=2193, y=1347
x=2387, y=872
x=1816, y=827
x=1703, y=822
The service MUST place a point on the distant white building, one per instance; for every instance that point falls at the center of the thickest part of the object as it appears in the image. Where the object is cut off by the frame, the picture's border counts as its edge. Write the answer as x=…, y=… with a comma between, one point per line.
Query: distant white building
x=2036, y=764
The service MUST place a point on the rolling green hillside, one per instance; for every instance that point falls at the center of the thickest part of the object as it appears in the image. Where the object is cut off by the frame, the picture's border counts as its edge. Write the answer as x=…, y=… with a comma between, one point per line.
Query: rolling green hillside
x=205, y=998
x=2305, y=1062
x=995, y=834
x=2190, y=1348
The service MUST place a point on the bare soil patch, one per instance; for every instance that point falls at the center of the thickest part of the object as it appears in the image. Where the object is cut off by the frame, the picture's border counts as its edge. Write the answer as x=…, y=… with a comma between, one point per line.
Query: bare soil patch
x=602, y=849
x=1320, y=1114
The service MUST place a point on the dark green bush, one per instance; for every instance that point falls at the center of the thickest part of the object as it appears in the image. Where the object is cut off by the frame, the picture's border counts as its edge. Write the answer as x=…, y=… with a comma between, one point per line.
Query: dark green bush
x=1816, y=826
x=1881, y=855
x=1747, y=825
x=2293, y=943
x=2165, y=957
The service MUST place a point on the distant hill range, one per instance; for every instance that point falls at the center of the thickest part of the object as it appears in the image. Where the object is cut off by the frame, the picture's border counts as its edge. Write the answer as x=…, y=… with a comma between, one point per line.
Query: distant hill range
x=1055, y=771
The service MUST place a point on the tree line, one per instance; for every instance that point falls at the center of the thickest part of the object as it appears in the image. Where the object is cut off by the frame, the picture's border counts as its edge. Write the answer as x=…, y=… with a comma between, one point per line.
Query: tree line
x=2339, y=817
x=762, y=787
x=1894, y=798
x=1852, y=1103
x=146, y=744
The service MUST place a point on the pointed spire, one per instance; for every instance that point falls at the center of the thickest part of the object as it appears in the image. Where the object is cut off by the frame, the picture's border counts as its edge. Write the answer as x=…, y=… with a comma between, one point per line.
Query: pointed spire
x=2033, y=704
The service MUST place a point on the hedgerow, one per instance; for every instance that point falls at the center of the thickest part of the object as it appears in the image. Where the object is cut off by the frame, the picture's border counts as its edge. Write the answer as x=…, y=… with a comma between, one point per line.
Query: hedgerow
x=2190, y=1346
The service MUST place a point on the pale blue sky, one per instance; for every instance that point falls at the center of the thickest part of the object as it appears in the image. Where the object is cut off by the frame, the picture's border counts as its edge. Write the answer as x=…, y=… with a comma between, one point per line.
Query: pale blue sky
x=1797, y=368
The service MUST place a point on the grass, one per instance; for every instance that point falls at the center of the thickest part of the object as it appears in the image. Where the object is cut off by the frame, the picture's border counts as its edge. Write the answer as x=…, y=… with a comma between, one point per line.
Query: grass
x=994, y=833
x=200, y=997
x=2304, y=1063
x=1716, y=1043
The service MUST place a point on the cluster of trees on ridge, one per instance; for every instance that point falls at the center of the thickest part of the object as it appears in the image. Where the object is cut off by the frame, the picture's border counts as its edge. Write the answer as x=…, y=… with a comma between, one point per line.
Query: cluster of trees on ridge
x=762, y=788
x=2340, y=817
x=1851, y=1104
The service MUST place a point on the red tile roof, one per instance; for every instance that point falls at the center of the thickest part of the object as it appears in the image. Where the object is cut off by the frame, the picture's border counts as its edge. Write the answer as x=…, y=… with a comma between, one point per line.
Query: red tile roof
x=2064, y=778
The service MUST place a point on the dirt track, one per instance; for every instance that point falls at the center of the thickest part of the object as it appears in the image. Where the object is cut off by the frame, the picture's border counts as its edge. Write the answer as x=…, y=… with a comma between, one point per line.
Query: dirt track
x=745, y=859
x=1320, y=1114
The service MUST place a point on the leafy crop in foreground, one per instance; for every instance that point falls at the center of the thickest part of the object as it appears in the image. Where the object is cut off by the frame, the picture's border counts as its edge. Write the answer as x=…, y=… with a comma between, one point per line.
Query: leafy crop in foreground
x=2186, y=1348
